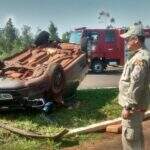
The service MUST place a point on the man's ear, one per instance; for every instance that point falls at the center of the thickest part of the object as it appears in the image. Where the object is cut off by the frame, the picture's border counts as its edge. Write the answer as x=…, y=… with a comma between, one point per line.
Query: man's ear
x=136, y=40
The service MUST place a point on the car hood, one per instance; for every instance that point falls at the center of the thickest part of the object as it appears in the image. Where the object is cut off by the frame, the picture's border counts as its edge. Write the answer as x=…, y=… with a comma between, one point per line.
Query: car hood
x=8, y=83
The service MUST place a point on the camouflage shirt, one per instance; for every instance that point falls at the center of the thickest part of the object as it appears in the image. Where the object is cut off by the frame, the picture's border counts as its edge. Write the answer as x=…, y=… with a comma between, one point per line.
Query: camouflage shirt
x=134, y=84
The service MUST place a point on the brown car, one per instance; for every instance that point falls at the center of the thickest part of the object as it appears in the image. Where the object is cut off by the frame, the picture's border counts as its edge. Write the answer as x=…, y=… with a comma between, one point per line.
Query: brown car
x=38, y=75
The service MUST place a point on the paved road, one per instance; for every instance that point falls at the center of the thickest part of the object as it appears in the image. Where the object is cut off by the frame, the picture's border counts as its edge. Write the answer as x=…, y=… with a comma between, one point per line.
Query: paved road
x=111, y=141
x=110, y=78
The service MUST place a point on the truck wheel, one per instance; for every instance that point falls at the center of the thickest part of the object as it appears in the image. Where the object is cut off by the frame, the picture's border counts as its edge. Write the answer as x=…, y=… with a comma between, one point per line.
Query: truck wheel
x=97, y=66
x=57, y=79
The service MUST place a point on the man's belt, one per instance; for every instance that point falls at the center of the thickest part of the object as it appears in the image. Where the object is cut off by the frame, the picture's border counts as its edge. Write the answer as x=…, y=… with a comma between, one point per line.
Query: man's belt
x=135, y=109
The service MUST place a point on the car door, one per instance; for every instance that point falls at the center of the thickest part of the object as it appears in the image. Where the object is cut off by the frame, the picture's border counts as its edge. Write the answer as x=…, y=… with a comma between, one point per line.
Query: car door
x=110, y=46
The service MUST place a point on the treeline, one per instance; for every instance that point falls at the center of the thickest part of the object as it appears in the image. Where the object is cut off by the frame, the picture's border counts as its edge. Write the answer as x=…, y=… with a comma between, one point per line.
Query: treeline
x=12, y=40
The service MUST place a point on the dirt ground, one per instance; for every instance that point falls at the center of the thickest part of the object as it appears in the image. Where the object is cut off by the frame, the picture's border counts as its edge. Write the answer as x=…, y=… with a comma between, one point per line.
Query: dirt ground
x=108, y=141
x=111, y=141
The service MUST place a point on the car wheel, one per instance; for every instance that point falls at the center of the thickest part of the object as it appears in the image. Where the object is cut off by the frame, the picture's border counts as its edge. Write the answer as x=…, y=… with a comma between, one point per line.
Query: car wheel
x=57, y=79
x=97, y=66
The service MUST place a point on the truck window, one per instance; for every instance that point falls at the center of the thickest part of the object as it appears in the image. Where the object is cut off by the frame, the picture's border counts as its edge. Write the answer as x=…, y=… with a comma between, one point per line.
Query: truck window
x=75, y=37
x=93, y=37
x=92, y=40
x=109, y=36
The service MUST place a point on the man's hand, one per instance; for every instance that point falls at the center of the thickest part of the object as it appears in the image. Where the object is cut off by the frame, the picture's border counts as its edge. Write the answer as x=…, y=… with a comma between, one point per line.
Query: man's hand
x=126, y=114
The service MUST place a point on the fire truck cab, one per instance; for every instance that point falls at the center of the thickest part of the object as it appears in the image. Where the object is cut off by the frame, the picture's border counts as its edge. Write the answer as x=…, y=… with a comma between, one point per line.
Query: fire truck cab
x=103, y=46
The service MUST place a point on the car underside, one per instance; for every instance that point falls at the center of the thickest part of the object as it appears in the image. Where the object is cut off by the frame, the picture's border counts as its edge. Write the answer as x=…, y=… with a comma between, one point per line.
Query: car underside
x=41, y=74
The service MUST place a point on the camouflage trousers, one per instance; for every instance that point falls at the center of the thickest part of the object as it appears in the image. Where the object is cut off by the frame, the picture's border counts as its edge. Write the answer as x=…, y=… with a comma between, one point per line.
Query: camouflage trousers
x=132, y=132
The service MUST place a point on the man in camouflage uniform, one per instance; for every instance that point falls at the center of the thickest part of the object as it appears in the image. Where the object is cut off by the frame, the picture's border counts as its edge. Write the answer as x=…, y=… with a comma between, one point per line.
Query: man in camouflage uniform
x=134, y=90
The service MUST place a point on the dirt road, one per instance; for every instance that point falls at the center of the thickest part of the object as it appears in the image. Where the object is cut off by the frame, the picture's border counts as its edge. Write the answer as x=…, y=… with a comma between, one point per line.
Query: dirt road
x=111, y=141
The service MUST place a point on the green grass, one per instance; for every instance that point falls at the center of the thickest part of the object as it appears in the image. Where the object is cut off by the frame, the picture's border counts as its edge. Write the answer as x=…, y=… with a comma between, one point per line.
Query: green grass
x=92, y=106
x=4, y=55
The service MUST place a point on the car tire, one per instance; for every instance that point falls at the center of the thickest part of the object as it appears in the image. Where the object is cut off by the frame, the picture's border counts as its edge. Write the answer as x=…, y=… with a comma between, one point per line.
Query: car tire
x=57, y=79
x=97, y=66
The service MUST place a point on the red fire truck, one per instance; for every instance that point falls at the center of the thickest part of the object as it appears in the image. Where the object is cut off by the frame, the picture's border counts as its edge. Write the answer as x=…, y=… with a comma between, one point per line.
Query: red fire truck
x=103, y=46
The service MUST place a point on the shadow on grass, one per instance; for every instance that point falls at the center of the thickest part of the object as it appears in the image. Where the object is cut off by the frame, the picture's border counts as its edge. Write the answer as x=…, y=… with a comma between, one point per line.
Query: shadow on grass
x=86, y=111
x=92, y=106
x=78, y=139
x=69, y=142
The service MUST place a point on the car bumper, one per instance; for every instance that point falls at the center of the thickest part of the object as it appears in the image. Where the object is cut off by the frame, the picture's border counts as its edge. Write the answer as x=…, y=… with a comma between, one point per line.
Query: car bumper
x=24, y=97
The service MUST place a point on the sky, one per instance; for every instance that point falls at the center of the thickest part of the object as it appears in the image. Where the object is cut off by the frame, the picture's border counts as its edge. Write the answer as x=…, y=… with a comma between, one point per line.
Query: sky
x=70, y=14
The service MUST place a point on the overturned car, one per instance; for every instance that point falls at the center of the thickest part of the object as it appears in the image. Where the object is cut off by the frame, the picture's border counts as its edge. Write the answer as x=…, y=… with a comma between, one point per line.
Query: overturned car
x=41, y=74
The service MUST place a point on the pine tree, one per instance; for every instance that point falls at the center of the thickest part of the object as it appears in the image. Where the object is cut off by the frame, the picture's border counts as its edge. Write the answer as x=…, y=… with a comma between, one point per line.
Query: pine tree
x=26, y=37
x=53, y=32
x=10, y=35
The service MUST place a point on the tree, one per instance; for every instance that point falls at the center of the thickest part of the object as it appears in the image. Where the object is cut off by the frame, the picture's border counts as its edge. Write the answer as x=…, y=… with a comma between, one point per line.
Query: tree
x=147, y=26
x=2, y=41
x=17, y=45
x=138, y=23
x=2, y=44
x=26, y=37
x=53, y=32
x=105, y=17
x=38, y=30
x=66, y=37
x=10, y=34
x=112, y=20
